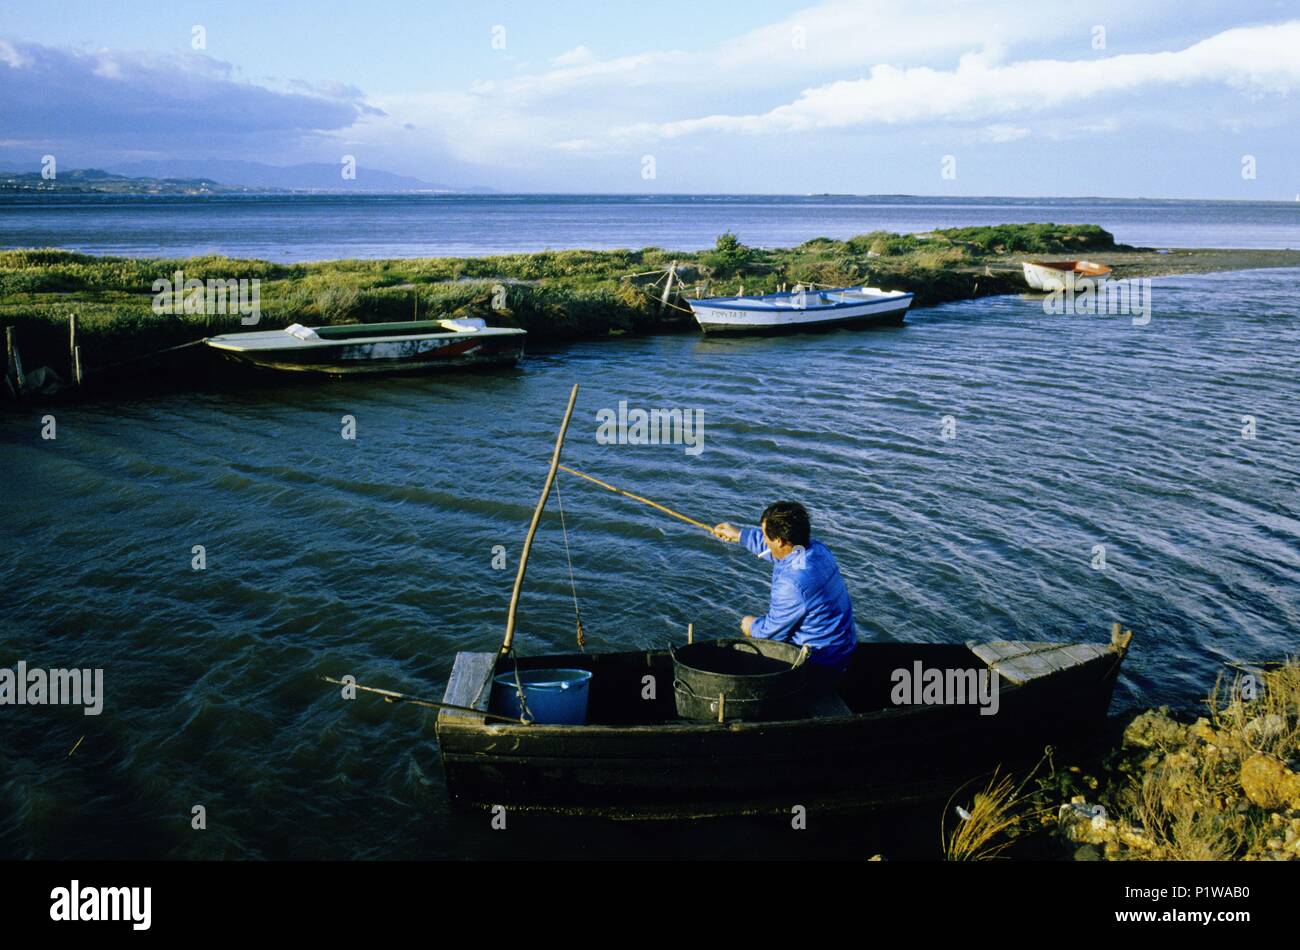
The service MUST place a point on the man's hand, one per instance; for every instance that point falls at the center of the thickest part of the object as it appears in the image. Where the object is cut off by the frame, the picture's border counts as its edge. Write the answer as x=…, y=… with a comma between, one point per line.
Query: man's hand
x=745, y=624
x=726, y=532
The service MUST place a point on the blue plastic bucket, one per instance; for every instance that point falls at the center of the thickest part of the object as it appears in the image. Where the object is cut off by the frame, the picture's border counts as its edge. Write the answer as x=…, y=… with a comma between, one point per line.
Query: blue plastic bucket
x=553, y=697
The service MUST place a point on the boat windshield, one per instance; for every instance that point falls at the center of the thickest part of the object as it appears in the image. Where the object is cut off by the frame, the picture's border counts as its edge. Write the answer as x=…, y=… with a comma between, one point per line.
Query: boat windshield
x=412, y=328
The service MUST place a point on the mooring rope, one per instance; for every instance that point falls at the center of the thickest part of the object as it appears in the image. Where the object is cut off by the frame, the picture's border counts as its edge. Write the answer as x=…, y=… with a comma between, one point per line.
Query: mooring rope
x=145, y=356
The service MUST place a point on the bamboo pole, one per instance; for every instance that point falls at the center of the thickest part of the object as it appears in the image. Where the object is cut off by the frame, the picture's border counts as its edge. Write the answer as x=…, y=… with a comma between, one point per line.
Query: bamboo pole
x=392, y=696
x=537, y=517
x=644, y=501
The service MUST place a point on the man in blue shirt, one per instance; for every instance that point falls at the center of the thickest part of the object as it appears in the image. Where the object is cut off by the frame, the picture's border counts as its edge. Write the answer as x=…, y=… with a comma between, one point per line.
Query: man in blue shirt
x=810, y=604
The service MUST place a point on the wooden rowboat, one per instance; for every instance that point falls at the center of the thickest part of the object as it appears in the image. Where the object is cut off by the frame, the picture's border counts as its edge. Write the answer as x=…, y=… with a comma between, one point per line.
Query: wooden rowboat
x=1058, y=275
x=636, y=759
x=864, y=745
x=409, y=346
x=869, y=743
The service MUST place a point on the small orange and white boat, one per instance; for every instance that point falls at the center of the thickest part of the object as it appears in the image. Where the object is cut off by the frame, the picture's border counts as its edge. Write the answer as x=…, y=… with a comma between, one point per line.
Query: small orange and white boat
x=1058, y=275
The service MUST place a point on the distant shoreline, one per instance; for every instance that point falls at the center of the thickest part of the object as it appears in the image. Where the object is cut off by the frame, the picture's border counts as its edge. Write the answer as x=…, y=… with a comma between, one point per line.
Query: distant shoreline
x=238, y=191
x=556, y=296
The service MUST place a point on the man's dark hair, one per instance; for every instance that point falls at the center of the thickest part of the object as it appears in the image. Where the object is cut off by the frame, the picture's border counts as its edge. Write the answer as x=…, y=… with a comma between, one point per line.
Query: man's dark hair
x=787, y=521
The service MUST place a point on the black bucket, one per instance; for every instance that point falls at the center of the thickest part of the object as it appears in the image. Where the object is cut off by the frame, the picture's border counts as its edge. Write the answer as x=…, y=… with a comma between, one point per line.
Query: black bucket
x=738, y=679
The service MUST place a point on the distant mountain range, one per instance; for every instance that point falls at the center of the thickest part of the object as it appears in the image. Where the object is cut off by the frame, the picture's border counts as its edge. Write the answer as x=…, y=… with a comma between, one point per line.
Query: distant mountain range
x=217, y=176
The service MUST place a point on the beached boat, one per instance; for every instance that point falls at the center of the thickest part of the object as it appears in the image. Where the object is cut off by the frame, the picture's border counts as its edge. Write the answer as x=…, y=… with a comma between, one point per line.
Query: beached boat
x=1058, y=275
x=409, y=346
x=801, y=309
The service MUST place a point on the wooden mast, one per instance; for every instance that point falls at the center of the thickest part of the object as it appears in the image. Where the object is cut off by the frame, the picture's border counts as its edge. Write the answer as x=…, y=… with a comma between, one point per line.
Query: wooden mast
x=537, y=517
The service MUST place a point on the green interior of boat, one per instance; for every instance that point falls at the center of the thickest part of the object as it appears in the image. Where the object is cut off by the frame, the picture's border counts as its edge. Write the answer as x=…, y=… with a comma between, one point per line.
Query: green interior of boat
x=618, y=691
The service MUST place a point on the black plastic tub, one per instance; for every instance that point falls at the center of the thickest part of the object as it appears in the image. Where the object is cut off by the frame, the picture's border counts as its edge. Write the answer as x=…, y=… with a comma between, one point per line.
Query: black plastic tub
x=746, y=679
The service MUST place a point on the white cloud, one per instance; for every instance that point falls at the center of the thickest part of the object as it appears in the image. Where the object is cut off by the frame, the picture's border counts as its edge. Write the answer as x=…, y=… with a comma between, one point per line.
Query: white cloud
x=957, y=66
x=13, y=57
x=1254, y=60
x=579, y=105
x=1003, y=132
x=577, y=56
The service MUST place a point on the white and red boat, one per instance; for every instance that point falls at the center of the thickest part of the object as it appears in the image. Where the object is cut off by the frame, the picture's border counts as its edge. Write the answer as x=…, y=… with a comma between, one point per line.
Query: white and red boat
x=1058, y=275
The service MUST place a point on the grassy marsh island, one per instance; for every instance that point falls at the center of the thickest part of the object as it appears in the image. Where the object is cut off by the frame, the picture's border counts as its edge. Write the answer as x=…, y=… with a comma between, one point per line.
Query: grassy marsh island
x=554, y=295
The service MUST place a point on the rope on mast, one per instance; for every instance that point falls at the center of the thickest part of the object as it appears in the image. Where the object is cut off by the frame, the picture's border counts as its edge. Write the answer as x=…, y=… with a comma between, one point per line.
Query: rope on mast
x=573, y=584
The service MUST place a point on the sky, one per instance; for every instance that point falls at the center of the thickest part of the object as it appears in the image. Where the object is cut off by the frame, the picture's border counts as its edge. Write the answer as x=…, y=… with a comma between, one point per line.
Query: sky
x=1157, y=98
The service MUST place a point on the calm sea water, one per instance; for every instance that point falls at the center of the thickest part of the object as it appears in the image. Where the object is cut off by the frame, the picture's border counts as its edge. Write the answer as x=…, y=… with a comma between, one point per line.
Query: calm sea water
x=374, y=557
x=315, y=227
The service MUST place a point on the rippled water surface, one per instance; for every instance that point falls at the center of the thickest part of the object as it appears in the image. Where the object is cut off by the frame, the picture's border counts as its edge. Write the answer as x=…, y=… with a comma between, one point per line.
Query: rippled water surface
x=374, y=556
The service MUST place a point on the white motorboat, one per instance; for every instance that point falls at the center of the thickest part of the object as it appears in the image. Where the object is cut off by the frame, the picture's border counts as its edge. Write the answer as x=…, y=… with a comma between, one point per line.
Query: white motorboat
x=801, y=309
x=411, y=346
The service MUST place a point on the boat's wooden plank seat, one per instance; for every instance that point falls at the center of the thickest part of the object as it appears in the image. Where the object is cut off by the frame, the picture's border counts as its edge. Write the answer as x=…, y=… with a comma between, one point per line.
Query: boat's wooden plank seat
x=1023, y=660
x=470, y=685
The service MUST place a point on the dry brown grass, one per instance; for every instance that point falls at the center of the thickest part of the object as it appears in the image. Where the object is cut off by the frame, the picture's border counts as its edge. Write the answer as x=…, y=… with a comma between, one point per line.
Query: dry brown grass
x=1272, y=697
x=997, y=814
x=1180, y=804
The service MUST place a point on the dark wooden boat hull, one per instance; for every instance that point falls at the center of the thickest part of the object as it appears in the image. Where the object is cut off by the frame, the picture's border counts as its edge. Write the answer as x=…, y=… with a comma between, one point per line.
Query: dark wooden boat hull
x=642, y=762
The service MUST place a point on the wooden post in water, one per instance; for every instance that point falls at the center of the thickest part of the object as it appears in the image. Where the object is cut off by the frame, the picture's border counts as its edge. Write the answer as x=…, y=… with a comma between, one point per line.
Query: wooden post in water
x=76, y=364
x=9, y=359
x=690, y=634
x=668, y=286
x=1120, y=638
x=537, y=517
x=14, y=364
x=73, y=372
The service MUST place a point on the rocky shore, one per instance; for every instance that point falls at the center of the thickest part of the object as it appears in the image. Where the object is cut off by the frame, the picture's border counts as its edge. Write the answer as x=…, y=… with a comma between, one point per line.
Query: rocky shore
x=1223, y=787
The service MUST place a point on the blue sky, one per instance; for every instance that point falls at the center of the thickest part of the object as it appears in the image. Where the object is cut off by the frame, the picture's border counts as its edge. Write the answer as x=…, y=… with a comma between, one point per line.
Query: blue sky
x=1158, y=98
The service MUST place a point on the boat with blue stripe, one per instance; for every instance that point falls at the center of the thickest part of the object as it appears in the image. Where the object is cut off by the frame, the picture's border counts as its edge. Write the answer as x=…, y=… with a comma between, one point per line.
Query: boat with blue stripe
x=803, y=308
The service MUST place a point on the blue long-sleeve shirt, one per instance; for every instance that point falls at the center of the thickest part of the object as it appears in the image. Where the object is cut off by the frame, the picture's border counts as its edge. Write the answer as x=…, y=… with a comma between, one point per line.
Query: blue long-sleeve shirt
x=810, y=604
